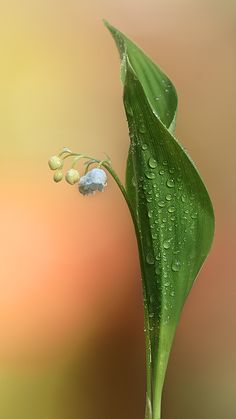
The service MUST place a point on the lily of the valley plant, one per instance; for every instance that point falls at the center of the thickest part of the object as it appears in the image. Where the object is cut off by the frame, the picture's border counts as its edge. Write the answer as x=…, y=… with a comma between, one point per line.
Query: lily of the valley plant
x=169, y=204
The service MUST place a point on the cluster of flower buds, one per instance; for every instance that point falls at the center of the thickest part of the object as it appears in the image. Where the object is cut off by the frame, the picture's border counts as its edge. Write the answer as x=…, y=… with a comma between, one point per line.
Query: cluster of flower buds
x=93, y=180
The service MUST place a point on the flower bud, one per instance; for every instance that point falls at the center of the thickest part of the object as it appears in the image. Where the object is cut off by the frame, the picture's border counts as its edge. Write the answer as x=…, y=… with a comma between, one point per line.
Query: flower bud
x=94, y=180
x=58, y=176
x=55, y=163
x=72, y=176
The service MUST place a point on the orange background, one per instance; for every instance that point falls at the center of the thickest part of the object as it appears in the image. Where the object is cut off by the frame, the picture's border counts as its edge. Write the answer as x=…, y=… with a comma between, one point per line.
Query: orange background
x=70, y=297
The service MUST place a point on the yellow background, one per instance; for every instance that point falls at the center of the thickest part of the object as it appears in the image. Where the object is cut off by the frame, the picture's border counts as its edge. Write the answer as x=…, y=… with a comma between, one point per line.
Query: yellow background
x=70, y=297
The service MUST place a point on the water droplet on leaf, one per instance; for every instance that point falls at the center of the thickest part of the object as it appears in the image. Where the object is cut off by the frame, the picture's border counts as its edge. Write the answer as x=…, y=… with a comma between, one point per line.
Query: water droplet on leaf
x=150, y=175
x=142, y=129
x=150, y=259
x=176, y=266
x=152, y=163
x=167, y=244
x=170, y=183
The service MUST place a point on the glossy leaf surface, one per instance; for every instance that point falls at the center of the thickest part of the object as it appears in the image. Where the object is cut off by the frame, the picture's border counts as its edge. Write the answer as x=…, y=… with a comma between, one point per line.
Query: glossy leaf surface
x=172, y=211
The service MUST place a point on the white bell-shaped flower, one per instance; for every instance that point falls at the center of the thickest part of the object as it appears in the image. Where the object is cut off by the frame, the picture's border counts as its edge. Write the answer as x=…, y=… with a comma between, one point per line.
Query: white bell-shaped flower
x=94, y=180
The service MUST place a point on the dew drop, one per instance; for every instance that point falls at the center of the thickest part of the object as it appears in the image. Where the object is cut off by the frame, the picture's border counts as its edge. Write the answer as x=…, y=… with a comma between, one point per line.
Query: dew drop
x=150, y=214
x=194, y=215
x=170, y=183
x=158, y=270
x=165, y=163
x=152, y=163
x=176, y=266
x=144, y=147
x=171, y=209
x=161, y=204
x=142, y=129
x=183, y=198
x=150, y=259
x=167, y=244
x=150, y=175
x=172, y=170
x=162, y=172
x=168, y=197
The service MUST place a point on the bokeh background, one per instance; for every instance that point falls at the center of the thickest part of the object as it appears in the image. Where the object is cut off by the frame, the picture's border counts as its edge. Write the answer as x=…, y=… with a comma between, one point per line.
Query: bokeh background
x=71, y=323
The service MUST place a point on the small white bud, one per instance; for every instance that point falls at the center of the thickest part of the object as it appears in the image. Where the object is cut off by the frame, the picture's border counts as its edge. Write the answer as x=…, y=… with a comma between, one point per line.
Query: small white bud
x=55, y=163
x=72, y=176
x=94, y=180
x=58, y=176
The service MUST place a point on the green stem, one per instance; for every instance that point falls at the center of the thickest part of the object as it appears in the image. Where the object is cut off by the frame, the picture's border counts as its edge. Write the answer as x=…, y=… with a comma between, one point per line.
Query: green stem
x=148, y=414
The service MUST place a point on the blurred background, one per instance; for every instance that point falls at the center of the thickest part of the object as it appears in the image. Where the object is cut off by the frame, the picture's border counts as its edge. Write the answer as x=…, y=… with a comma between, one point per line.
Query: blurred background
x=71, y=321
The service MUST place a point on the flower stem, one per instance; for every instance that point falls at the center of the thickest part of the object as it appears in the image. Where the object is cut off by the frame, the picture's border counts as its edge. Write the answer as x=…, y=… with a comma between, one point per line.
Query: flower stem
x=148, y=414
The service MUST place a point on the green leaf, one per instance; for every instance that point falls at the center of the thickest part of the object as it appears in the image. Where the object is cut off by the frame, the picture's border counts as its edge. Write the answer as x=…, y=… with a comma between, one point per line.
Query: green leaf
x=171, y=209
